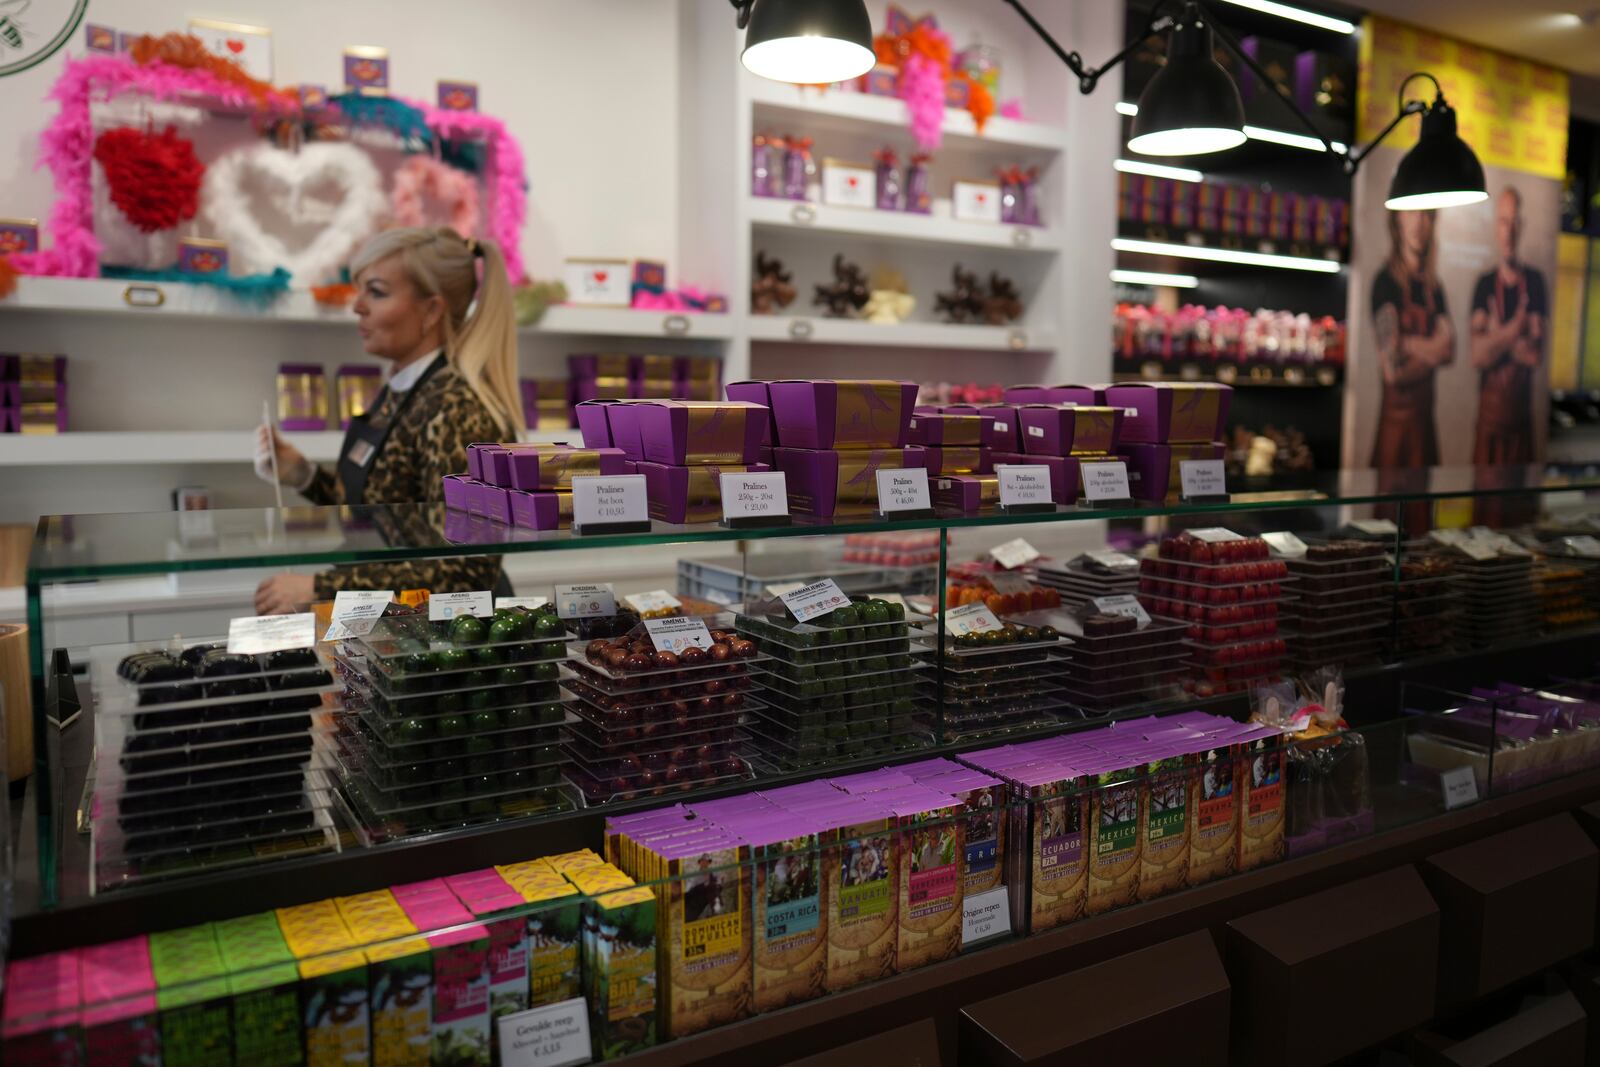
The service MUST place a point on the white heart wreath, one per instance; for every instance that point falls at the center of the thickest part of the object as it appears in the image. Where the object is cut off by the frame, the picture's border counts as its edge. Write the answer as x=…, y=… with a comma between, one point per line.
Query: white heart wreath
x=295, y=186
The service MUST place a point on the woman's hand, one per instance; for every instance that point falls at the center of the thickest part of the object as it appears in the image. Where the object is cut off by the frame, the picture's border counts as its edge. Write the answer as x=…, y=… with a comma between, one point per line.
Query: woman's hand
x=284, y=594
x=294, y=470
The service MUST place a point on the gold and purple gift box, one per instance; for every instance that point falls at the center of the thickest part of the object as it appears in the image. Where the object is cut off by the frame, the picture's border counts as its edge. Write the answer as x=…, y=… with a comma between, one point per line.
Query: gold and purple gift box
x=358, y=385
x=655, y=377
x=1208, y=206
x=966, y=493
x=19, y=235
x=1000, y=429
x=1171, y=412
x=1278, y=222
x=881, y=80
x=458, y=489
x=200, y=255
x=458, y=96
x=1055, y=394
x=545, y=404
x=755, y=392
x=688, y=494
x=533, y=467
x=1299, y=217
x=821, y=414
x=946, y=429
x=1233, y=209
x=313, y=97
x=828, y=483
x=1155, y=471
x=541, y=510
x=1255, y=213
x=366, y=70
x=302, y=397
x=1067, y=429
x=687, y=432
x=101, y=39
x=1063, y=472
x=971, y=459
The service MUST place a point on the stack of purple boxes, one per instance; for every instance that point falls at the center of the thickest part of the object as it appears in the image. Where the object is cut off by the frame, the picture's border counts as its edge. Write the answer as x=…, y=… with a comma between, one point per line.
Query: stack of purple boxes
x=614, y=376
x=546, y=403
x=1166, y=423
x=958, y=452
x=1234, y=210
x=33, y=394
x=525, y=485
x=830, y=438
x=686, y=446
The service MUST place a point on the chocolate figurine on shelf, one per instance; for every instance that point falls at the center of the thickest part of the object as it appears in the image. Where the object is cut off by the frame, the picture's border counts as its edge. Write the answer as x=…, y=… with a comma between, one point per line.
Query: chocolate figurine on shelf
x=1002, y=305
x=772, y=288
x=846, y=294
x=964, y=302
x=891, y=304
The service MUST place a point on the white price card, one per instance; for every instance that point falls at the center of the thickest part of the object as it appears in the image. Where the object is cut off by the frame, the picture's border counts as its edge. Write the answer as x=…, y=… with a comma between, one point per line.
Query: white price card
x=255, y=634
x=532, y=603
x=1376, y=527
x=778, y=589
x=443, y=607
x=1107, y=557
x=975, y=618
x=1584, y=545
x=755, y=496
x=1460, y=787
x=1478, y=549
x=678, y=633
x=585, y=601
x=356, y=612
x=1203, y=478
x=1007, y=584
x=985, y=915
x=903, y=489
x=653, y=602
x=552, y=1035
x=1122, y=604
x=1215, y=534
x=1014, y=553
x=1284, y=543
x=1447, y=537
x=1105, y=480
x=598, y=500
x=818, y=598
x=1024, y=485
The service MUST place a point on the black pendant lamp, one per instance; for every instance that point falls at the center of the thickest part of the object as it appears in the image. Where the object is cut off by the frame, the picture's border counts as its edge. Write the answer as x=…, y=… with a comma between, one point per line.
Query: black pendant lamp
x=808, y=42
x=1191, y=106
x=1440, y=170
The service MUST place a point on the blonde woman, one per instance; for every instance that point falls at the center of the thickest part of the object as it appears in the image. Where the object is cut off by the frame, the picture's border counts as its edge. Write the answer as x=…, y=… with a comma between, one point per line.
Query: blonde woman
x=438, y=308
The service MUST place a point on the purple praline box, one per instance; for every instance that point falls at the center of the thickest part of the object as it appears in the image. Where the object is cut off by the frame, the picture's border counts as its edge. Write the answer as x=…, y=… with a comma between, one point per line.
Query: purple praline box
x=1153, y=470
x=820, y=414
x=683, y=432
x=458, y=491
x=826, y=483
x=549, y=510
x=1001, y=432
x=1065, y=430
x=458, y=96
x=366, y=70
x=534, y=467
x=475, y=458
x=680, y=494
x=964, y=460
x=19, y=235
x=625, y=431
x=755, y=392
x=947, y=429
x=489, y=502
x=594, y=423
x=1053, y=394
x=966, y=493
x=1063, y=472
x=102, y=39
x=1163, y=412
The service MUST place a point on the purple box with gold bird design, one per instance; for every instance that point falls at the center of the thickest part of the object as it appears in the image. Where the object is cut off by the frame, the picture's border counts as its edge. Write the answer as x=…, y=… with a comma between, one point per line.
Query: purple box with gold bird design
x=830, y=484
x=822, y=413
x=1171, y=412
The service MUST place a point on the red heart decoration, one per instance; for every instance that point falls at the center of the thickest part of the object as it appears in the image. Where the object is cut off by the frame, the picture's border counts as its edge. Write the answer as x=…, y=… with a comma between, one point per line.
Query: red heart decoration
x=154, y=178
x=982, y=198
x=236, y=47
x=601, y=276
x=852, y=182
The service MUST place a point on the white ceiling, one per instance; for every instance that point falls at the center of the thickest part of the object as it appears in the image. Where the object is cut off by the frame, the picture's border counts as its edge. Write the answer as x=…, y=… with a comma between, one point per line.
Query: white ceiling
x=1562, y=33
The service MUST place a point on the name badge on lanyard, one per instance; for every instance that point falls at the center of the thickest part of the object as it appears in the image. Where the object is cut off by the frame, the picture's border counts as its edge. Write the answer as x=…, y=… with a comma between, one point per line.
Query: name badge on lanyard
x=361, y=452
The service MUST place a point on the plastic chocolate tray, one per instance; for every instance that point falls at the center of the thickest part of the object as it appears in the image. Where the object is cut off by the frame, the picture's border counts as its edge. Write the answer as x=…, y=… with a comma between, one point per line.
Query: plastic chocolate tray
x=630, y=720
x=607, y=781
x=855, y=667
x=885, y=686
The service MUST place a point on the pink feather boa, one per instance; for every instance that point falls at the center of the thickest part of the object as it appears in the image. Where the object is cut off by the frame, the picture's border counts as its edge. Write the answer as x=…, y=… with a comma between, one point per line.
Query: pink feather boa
x=421, y=177
x=67, y=148
x=922, y=88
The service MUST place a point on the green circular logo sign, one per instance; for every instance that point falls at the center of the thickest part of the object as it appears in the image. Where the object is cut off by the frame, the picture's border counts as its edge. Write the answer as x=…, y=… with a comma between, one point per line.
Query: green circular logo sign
x=31, y=31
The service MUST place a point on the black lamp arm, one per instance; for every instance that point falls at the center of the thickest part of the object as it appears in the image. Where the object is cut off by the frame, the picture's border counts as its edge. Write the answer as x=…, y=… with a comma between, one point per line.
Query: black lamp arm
x=1089, y=77
x=1244, y=57
x=743, y=8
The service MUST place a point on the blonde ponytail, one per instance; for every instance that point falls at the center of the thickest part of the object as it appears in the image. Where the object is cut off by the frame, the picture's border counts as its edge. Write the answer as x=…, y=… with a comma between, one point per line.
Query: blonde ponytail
x=481, y=348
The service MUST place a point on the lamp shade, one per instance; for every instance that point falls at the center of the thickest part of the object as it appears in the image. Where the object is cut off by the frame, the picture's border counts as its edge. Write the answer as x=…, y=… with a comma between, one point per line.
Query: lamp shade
x=809, y=42
x=1440, y=170
x=1191, y=106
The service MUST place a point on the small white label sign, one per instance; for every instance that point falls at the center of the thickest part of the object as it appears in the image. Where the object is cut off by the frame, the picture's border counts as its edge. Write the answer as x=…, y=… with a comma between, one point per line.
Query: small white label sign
x=1106, y=480
x=356, y=612
x=657, y=600
x=1122, y=604
x=755, y=496
x=1460, y=787
x=256, y=634
x=677, y=634
x=601, y=499
x=1203, y=477
x=532, y=603
x=975, y=618
x=1108, y=558
x=985, y=915
x=1584, y=545
x=585, y=601
x=554, y=1035
x=1006, y=584
x=446, y=606
x=1024, y=485
x=818, y=598
x=1215, y=534
x=1285, y=544
x=1376, y=527
x=1014, y=553
x=903, y=489
x=1478, y=550
x=778, y=589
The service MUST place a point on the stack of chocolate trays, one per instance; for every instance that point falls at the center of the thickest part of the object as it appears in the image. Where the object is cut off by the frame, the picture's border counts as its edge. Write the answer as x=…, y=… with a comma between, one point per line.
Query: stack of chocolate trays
x=451, y=724
x=644, y=722
x=206, y=759
x=1427, y=603
x=1116, y=662
x=1498, y=603
x=1565, y=588
x=1343, y=604
x=999, y=681
x=1089, y=576
x=840, y=687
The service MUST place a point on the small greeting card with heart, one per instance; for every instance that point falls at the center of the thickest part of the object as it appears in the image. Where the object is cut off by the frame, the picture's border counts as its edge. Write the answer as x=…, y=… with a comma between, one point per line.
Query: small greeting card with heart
x=598, y=282
x=976, y=201
x=848, y=184
x=248, y=46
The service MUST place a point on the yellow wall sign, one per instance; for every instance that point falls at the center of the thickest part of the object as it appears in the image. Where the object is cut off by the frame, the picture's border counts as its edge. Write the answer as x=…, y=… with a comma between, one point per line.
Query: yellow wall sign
x=1511, y=111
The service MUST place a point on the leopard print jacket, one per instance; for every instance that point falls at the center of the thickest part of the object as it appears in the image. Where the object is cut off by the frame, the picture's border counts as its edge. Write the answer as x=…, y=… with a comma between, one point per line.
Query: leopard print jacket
x=429, y=442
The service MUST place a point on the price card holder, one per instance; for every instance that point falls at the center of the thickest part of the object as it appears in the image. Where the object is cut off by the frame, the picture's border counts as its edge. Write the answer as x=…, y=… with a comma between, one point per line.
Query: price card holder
x=903, y=494
x=610, y=504
x=1105, y=484
x=755, y=501
x=1204, y=481
x=1025, y=490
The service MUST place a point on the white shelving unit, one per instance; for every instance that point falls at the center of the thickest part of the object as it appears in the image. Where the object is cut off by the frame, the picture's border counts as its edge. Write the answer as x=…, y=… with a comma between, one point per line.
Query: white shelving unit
x=566, y=319
x=796, y=329
x=899, y=226
x=137, y=447
x=826, y=109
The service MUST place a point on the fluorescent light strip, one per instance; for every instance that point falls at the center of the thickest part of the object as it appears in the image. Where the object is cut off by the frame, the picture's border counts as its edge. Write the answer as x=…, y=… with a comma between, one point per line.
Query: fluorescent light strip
x=1257, y=133
x=1156, y=170
x=1225, y=255
x=1150, y=277
x=1284, y=11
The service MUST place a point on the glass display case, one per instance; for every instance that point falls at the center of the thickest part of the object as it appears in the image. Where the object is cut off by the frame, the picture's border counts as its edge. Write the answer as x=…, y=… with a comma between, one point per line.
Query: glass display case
x=959, y=629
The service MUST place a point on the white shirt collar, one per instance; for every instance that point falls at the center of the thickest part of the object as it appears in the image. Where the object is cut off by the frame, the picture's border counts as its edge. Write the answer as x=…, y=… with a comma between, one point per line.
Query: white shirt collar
x=403, y=380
